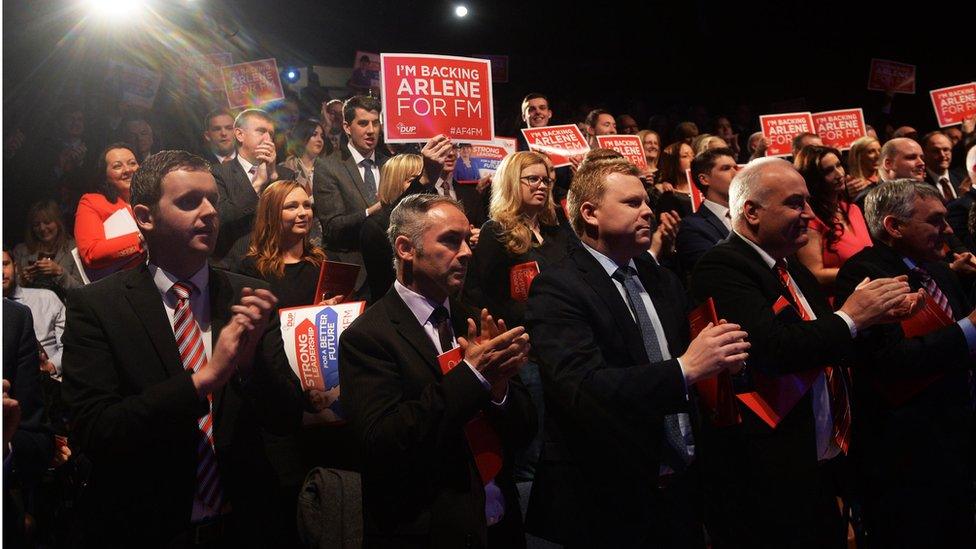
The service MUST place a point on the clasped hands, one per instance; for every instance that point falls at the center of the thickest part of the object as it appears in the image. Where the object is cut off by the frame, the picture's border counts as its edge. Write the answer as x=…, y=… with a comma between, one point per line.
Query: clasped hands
x=497, y=353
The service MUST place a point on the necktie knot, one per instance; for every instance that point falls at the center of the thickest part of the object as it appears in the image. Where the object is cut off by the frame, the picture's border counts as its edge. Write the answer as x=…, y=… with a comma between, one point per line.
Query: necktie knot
x=440, y=315
x=253, y=170
x=446, y=186
x=182, y=290
x=623, y=273
x=922, y=274
x=367, y=163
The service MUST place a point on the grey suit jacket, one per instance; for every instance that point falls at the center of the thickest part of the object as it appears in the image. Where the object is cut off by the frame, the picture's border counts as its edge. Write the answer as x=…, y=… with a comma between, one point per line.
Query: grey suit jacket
x=341, y=199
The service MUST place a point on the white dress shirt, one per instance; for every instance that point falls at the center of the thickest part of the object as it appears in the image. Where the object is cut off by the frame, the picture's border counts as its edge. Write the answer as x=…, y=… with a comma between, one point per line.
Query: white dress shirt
x=48, y=313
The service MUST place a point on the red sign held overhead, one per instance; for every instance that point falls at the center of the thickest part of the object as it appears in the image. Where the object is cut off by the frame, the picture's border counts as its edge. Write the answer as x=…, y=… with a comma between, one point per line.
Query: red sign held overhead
x=558, y=142
x=427, y=95
x=780, y=129
x=954, y=104
x=838, y=129
x=253, y=83
x=891, y=76
x=629, y=146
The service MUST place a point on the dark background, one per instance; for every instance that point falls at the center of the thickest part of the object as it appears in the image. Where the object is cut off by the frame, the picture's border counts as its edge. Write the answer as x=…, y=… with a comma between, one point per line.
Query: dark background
x=678, y=59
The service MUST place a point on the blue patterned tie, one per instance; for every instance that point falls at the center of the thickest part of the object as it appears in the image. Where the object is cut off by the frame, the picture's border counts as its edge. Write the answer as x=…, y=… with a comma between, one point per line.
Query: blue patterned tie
x=368, y=178
x=676, y=453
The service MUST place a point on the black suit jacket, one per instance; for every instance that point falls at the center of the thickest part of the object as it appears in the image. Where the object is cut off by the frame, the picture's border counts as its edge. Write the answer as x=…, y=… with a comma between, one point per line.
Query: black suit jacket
x=236, y=207
x=697, y=234
x=958, y=218
x=134, y=412
x=475, y=203
x=421, y=487
x=762, y=483
x=605, y=404
x=341, y=200
x=918, y=454
x=954, y=180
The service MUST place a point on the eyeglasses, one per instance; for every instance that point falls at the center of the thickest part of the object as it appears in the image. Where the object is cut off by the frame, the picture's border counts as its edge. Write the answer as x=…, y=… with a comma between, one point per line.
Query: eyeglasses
x=536, y=181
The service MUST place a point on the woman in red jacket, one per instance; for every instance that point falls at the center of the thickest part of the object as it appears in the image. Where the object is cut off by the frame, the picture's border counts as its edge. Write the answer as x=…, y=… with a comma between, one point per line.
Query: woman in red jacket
x=105, y=230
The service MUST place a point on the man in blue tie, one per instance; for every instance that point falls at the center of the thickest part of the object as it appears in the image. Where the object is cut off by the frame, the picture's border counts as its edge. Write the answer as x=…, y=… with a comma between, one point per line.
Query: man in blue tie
x=618, y=366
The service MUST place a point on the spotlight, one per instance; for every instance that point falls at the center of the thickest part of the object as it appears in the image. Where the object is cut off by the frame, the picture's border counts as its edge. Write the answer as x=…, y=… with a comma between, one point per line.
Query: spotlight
x=115, y=9
x=292, y=75
x=461, y=11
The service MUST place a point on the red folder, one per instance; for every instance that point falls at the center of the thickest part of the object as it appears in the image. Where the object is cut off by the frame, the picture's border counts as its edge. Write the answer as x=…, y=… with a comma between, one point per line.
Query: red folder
x=336, y=278
x=929, y=319
x=775, y=396
x=485, y=444
x=520, y=279
x=716, y=392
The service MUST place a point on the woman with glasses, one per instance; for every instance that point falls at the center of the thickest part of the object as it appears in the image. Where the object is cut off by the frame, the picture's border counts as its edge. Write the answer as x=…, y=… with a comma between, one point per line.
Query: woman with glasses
x=522, y=237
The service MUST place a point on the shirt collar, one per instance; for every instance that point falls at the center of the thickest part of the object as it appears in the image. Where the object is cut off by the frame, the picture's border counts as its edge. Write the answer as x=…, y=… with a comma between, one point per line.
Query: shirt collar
x=245, y=164
x=358, y=158
x=937, y=176
x=719, y=210
x=17, y=294
x=222, y=159
x=420, y=306
x=609, y=265
x=762, y=253
x=164, y=280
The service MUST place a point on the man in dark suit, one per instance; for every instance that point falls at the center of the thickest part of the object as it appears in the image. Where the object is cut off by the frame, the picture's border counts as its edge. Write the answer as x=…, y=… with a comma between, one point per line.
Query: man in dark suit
x=712, y=171
x=219, y=141
x=937, y=152
x=422, y=485
x=914, y=450
x=346, y=183
x=618, y=465
x=241, y=182
x=777, y=486
x=27, y=443
x=169, y=369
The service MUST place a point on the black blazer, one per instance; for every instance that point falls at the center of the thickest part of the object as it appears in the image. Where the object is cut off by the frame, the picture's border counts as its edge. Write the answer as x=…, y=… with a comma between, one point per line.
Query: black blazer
x=605, y=404
x=958, y=218
x=341, y=200
x=954, y=180
x=475, y=203
x=763, y=483
x=134, y=412
x=236, y=207
x=488, y=283
x=421, y=487
x=377, y=253
x=697, y=234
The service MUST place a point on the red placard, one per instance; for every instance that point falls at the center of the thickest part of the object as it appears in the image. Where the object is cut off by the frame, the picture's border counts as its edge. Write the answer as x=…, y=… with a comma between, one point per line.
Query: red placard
x=306, y=354
x=891, y=76
x=558, y=142
x=780, y=129
x=628, y=145
x=336, y=278
x=485, y=444
x=253, y=83
x=717, y=393
x=696, y=195
x=840, y=128
x=427, y=95
x=954, y=104
x=520, y=279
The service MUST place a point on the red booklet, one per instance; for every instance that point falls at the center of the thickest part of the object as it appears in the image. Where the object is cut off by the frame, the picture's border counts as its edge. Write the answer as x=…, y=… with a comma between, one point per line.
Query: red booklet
x=929, y=319
x=775, y=396
x=485, y=444
x=520, y=279
x=716, y=392
x=336, y=278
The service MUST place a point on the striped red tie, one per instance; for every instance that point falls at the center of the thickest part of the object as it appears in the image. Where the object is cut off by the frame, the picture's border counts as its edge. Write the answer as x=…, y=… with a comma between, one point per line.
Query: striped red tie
x=933, y=289
x=194, y=357
x=840, y=406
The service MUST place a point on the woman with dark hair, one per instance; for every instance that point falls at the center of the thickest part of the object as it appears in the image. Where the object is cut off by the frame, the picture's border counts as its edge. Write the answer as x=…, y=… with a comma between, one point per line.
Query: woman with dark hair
x=672, y=180
x=838, y=230
x=280, y=252
x=44, y=258
x=306, y=144
x=105, y=229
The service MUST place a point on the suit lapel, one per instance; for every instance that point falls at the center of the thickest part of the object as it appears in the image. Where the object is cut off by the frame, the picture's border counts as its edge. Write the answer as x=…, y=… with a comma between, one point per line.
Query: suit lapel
x=352, y=170
x=593, y=274
x=771, y=281
x=651, y=279
x=409, y=329
x=146, y=303
x=716, y=223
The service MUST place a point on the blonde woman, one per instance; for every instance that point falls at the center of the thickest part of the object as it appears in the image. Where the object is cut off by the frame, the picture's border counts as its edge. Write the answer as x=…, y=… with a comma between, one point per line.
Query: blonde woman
x=400, y=176
x=862, y=165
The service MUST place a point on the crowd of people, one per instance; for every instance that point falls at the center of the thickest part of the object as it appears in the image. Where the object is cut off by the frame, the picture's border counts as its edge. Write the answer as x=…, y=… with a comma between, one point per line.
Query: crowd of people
x=148, y=400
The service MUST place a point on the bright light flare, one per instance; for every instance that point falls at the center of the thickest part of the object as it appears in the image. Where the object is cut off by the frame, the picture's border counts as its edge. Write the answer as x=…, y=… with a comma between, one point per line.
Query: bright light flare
x=461, y=11
x=116, y=10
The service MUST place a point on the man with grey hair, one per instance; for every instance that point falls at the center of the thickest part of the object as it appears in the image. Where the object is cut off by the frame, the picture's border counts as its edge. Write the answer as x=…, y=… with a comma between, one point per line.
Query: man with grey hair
x=914, y=394
x=412, y=408
x=778, y=475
